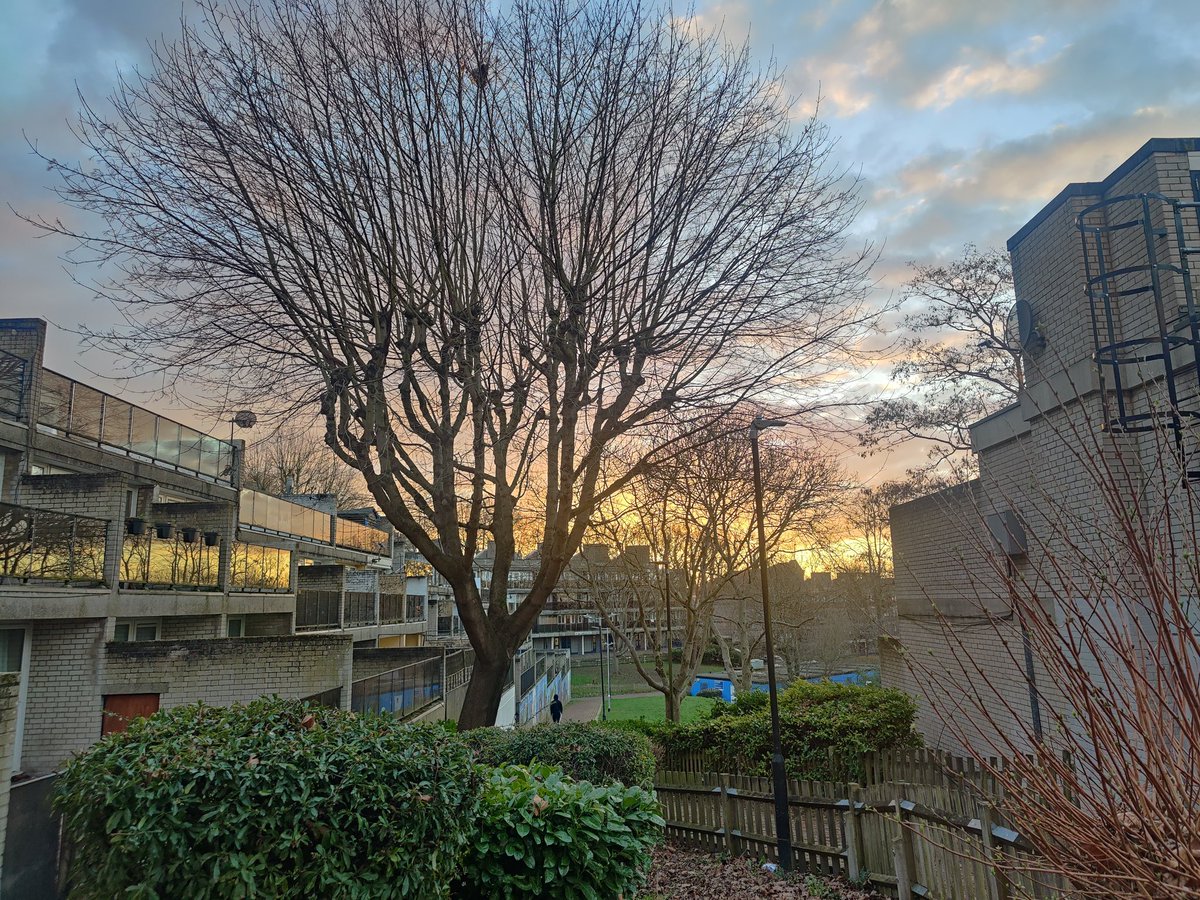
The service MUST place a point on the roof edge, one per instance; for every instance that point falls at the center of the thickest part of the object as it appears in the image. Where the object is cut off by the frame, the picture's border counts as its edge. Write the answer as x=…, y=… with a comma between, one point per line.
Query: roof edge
x=1093, y=188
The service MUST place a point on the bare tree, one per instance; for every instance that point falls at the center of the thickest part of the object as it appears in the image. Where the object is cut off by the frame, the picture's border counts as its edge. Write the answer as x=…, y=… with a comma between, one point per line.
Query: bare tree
x=695, y=516
x=1101, y=767
x=961, y=360
x=486, y=245
x=294, y=460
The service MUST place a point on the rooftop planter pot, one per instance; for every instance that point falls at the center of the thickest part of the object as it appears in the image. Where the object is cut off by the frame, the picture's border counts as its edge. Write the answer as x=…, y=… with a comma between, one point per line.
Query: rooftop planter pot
x=189, y=535
x=164, y=530
x=211, y=538
x=135, y=526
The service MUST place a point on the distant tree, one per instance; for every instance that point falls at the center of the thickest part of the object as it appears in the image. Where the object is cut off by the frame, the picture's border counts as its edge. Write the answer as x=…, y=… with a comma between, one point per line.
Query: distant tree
x=695, y=515
x=960, y=360
x=486, y=242
x=295, y=460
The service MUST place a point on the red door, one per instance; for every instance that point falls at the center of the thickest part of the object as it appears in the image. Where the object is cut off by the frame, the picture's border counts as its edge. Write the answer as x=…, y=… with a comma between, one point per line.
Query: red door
x=120, y=709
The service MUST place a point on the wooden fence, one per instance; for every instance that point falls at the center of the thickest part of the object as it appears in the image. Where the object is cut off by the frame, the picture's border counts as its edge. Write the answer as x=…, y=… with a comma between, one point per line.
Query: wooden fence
x=936, y=837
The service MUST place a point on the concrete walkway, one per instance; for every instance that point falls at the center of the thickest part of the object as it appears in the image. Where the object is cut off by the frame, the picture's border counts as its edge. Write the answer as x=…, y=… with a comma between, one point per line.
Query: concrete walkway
x=584, y=710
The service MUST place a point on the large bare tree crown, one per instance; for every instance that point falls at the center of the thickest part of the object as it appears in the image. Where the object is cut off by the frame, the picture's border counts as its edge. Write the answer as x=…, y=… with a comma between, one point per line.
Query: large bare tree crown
x=486, y=245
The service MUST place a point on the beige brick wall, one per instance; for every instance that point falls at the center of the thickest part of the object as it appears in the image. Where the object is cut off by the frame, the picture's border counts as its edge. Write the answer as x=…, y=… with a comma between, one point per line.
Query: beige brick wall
x=232, y=670
x=10, y=685
x=188, y=628
x=267, y=624
x=62, y=701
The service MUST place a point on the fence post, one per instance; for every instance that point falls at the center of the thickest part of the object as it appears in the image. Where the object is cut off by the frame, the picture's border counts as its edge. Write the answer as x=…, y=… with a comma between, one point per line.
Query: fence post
x=728, y=815
x=904, y=855
x=997, y=880
x=854, y=837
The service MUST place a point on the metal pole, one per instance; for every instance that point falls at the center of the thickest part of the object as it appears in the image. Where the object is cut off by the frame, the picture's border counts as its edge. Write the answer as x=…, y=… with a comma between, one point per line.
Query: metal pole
x=600, y=662
x=783, y=825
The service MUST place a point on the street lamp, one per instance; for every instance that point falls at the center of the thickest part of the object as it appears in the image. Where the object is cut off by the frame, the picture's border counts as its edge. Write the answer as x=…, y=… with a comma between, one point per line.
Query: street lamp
x=783, y=825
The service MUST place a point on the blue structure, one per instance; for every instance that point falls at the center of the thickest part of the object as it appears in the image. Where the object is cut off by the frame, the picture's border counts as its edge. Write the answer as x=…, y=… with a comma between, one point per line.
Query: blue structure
x=724, y=685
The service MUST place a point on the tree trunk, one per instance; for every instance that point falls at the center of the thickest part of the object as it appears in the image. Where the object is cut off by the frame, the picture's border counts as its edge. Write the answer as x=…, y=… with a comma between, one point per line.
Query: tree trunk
x=673, y=700
x=485, y=689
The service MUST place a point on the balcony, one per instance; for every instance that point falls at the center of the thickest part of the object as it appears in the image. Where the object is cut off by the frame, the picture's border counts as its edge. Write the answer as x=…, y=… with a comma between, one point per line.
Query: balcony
x=265, y=514
x=170, y=563
x=83, y=414
x=397, y=609
x=37, y=545
x=318, y=610
x=360, y=609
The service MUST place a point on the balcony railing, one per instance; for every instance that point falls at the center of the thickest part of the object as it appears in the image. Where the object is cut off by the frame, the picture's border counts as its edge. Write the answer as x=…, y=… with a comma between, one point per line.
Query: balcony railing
x=360, y=608
x=147, y=561
x=317, y=610
x=274, y=515
x=40, y=545
x=84, y=414
x=262, y=512
x=13, y=383
x=403, y=692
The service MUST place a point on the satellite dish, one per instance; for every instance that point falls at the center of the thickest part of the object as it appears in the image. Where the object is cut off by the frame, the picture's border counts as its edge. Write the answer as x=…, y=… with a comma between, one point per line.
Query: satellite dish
x=1027, y=332
x=245, y=419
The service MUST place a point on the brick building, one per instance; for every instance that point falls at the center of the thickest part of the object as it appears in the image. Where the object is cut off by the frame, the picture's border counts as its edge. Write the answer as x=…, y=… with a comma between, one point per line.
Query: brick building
x=136, y=573
x=1110, y=331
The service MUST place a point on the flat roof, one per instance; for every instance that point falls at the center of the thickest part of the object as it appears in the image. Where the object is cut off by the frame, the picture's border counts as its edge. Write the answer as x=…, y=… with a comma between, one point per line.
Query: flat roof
x=1094, y=188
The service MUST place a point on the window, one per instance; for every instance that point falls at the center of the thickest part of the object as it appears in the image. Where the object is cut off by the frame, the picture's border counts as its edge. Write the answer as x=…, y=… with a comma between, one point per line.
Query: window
x=236, y=626
x=135, y=631
x=12, y=649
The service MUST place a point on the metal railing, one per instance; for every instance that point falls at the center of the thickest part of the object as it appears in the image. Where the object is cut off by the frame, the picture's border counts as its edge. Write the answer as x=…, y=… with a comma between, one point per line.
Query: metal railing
x=391, y=608
x=74, y=410
x=318, y=610
x=414, y=608
x=360, y=608
x=403, y=692
x=40, y=545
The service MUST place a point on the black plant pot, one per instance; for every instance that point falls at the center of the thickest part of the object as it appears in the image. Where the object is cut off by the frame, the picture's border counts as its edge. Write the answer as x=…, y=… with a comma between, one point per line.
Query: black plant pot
x=189, y=535
x=164, y=529
x=211, y=538
x=135, y=526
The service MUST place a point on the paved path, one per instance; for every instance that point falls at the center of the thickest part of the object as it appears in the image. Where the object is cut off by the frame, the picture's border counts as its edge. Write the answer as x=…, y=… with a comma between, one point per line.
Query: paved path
x=584, y=710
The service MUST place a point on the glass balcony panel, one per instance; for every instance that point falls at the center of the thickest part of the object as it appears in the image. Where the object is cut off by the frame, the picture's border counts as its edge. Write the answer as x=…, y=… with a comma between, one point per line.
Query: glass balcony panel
x=143, y=438
x=52, y=539
x=13, y=385
x=190, y=443
x=210, y=456
x=54, y=407
x=135, y=558
x=87, y=408
x=15, y=546
x=117, y=416
x=167, y=449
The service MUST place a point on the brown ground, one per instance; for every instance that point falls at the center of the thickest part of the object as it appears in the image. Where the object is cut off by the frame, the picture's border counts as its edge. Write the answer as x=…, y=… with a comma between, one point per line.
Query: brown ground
x=682, y=874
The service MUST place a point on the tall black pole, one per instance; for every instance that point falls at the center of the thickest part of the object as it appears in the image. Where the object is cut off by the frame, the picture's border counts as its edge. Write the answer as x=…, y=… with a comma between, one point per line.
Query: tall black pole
x=783, y=825
x=600, y=660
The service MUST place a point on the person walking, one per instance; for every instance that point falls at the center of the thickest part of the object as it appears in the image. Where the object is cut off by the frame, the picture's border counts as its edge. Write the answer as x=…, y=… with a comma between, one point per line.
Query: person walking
x=556, y=708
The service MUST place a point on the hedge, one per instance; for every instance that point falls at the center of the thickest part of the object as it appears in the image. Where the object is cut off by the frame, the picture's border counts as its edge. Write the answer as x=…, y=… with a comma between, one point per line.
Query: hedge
x=541, y=834
x=825, y=728
x=585, y=751
x=276, y=798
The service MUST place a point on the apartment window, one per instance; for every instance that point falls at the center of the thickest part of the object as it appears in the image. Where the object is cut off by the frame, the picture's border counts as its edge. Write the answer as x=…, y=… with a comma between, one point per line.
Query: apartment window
x=136, y=631
x=236, y=626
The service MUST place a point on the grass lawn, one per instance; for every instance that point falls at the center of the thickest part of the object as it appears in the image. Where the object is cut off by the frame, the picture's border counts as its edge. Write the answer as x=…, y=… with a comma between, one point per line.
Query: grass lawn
x=653, y=709
x=585, y=677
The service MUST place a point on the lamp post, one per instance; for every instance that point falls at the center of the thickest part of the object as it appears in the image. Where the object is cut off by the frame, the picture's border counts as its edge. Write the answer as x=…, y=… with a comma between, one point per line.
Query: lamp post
x=783, y=826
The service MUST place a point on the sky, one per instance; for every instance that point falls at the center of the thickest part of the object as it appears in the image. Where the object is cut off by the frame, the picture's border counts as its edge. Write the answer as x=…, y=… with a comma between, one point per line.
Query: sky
x=961, y=118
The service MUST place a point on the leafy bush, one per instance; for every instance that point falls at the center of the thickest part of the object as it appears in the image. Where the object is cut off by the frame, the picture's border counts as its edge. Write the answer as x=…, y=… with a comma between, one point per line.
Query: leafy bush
x=825, y=729
x=541, y=834
x=273, y=799
x=585, y=751
x=748, y=702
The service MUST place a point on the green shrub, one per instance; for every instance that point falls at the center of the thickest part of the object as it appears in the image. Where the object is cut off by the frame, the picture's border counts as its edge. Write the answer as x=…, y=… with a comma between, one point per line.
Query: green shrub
x=748, y=702
x=710, y=693
x=273, y=799
x=825, y=728
x=541, y=834
x=585, y=751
